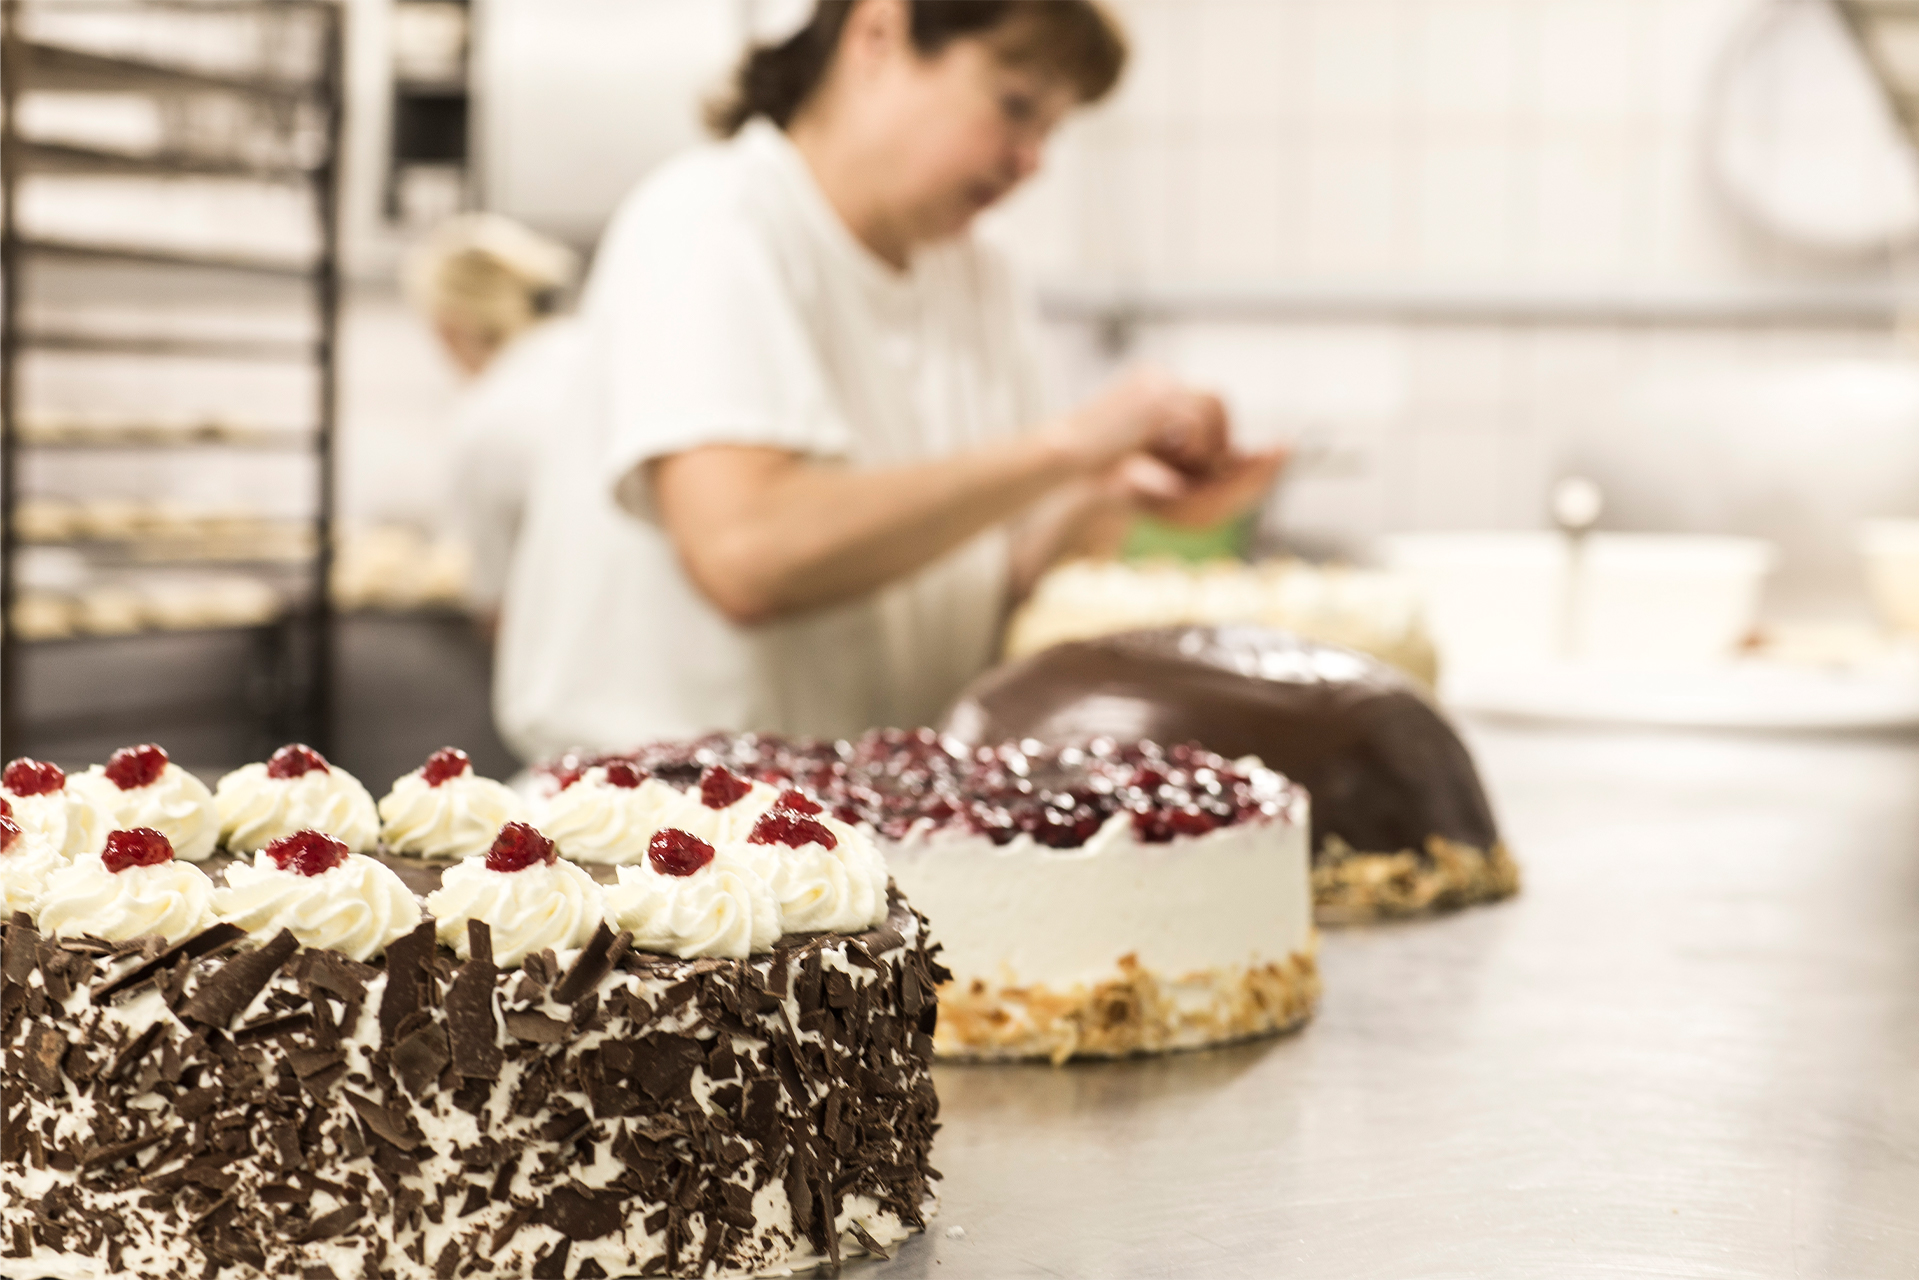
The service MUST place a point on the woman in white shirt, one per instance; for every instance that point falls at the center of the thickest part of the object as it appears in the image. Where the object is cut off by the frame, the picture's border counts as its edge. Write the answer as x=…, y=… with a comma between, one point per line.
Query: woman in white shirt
x=811, y=466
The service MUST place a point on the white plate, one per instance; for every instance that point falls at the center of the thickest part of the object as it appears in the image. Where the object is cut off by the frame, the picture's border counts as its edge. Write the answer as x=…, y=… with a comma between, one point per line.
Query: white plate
x=1747, y=694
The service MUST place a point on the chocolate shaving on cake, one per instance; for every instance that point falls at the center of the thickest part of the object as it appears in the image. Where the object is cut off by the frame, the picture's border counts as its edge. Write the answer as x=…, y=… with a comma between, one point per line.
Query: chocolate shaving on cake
x=589, y=967
x=333, y=972
x=384, y=1123
x=535, y=1028
x=473, y=1040
x=867, y=1242
x=580, y=1215
x=419, y=1058
x=291, y=1131
x=406, y=979
x=232, y=987
x=205, y=943
x=38, y=1060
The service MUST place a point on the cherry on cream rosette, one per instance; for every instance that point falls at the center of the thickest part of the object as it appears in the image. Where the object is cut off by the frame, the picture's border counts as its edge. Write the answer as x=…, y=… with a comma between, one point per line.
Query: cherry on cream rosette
x=65, y=817
x=530, y=897
x=326, y=895
x=294, y=790
x=445, y=810
x=794, y=871
x=609, y=812
x=827, y=875
x=721, y=810
x=140, y=787
x=26, y=861
x=606, y=812
x=687, y=900
x=134, y=889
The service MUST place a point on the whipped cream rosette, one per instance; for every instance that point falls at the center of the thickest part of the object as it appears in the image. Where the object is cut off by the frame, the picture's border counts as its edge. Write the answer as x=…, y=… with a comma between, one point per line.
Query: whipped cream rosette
x=445, y=810
x=795, y=871
x=530, y=898
x=327, y=896
x=687, y=900
x=827, y=876
x=134, y=889
x=26, y=860
x=140, y=787
x=295, y=790
x=610, y=812
x=607, y=813
x=65, y=817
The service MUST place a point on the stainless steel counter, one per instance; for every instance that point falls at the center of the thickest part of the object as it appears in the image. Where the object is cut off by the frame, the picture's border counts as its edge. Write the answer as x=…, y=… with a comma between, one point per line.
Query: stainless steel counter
x=1688, y=1049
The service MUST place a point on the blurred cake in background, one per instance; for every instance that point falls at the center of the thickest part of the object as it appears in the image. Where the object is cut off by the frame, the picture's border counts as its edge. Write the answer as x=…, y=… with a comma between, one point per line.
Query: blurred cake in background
x=1375, y=612
x=1096, y=902
x=1400, y=824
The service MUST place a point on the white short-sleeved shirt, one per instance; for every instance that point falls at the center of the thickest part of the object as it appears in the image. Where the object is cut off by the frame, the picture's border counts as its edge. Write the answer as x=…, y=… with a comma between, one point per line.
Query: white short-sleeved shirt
x=729, y=305
x=505, y=423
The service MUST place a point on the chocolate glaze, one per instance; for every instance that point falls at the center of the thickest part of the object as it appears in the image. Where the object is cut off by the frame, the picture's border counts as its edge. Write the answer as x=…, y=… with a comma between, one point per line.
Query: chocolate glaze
x=1383, y=768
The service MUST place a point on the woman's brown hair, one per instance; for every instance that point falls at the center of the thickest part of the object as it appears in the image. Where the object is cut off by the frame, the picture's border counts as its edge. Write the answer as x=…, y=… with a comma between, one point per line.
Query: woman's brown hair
x=1076, y=39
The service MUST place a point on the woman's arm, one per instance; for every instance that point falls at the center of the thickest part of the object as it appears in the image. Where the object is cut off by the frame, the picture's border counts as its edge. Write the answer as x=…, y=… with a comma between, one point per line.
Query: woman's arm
x=764, y=532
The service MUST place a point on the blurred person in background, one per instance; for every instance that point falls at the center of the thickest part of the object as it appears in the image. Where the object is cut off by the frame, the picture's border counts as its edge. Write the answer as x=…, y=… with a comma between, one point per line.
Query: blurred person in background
x=492, y=290
x=813, y=467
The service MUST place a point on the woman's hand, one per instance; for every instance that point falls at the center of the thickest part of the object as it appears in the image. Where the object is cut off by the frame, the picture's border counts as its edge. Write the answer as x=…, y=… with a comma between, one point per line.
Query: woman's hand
x=1237, y=484
x=1146, y=412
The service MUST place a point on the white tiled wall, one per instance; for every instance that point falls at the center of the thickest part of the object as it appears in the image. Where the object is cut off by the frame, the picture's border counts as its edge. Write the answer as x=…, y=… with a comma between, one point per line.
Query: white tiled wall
x=1542, y=140
x=1459, y=145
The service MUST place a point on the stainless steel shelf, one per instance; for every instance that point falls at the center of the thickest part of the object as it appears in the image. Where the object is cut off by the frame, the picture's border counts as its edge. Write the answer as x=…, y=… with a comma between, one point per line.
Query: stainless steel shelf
x=282, y=121
x=126, y=436
x=156, y=345
x=48, y=66
x=69, y=158
x=132, y=255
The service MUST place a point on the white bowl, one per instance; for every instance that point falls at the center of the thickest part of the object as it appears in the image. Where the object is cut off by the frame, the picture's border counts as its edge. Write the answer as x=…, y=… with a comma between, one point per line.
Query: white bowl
x=1667, y=599
x=1487, y=597
x=1890, y=553
x=1494, y=599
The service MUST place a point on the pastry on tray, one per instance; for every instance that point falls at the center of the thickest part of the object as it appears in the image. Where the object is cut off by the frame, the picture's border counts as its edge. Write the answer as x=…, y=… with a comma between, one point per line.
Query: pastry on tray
x=313, y=1062
x=1101, y=901
x=1371, y=610
x=1401, y=825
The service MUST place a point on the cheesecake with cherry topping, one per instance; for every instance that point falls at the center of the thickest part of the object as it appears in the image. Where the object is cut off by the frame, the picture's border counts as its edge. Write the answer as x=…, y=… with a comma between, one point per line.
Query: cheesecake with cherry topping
x=1093, y=901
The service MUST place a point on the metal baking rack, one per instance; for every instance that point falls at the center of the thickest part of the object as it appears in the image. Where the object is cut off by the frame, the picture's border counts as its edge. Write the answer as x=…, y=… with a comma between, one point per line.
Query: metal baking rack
x=277, y=97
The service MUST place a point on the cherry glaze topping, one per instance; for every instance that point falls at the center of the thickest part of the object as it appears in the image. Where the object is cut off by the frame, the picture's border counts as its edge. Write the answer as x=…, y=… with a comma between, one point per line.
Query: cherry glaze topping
x=779, y=826
x=9, y=833
x=6, y=810
x=797, y=802
x=27, y=777
x=447, y=762
x=720, y=787
x=130, y=768
x=673, y=852
x=140, y=847
x=895, y=780
x=519, y=846
x=295, y=759
x=622, y=774
x=307, y=852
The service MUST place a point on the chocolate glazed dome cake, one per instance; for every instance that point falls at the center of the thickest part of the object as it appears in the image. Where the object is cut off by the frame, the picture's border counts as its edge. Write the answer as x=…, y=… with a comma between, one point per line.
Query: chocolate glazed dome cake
x=1400, y=824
